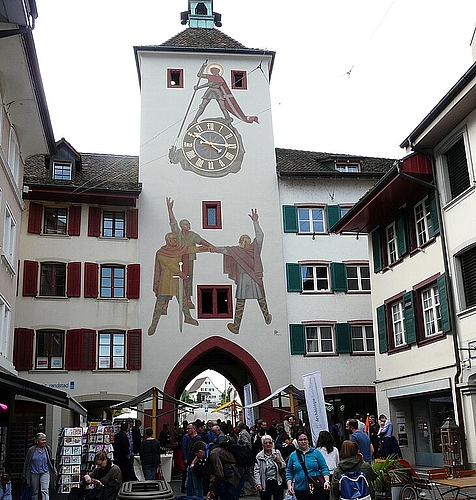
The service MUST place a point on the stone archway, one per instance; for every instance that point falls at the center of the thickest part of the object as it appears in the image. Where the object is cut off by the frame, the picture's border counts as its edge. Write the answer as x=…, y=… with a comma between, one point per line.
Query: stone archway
x=224, y=356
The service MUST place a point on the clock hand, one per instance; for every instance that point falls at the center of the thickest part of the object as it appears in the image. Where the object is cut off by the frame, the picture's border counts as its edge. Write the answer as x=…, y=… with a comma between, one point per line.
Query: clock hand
x=213, y=145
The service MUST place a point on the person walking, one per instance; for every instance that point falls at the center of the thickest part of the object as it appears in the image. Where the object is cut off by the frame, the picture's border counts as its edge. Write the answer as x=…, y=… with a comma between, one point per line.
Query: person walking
x=267, y=471
x=326, y=445
x=149, y=455
x=305, y=464
x=38, y=469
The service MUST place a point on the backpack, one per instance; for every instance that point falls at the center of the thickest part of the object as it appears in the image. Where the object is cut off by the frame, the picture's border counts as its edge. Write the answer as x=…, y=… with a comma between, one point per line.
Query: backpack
x=242, y=454
x=354, y=485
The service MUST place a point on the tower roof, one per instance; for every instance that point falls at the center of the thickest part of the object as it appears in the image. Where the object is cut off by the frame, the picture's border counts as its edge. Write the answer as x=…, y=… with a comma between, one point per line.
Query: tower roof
x=203, y=38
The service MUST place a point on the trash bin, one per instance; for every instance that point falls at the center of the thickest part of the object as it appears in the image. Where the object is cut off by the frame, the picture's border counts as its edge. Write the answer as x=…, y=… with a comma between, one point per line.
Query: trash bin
x=145, y=490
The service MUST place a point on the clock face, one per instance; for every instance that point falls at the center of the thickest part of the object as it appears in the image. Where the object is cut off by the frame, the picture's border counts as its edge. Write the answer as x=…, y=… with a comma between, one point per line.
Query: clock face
x=212, y=148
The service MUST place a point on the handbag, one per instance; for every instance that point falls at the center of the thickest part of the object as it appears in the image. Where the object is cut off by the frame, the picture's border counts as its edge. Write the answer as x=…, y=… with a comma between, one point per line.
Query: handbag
x=159, y=476
x=314, y=481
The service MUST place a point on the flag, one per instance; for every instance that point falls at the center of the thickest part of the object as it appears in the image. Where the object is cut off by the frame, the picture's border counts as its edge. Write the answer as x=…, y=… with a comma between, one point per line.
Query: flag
x=316, y=407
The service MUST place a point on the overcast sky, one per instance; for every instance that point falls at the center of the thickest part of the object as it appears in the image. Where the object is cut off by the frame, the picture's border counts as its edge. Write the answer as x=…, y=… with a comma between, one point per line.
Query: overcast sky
x=403, y=57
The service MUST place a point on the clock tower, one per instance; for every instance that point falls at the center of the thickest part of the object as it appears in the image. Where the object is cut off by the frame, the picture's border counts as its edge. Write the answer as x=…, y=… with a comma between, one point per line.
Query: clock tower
x=213, y=289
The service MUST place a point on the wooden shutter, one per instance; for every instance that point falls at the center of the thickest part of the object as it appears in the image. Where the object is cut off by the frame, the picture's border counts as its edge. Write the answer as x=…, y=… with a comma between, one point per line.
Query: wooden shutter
x=457, y=168
x=290, y=219
x=94, y=221
x=339, y=277
x=23, y=348
x=377, y=251
x=91, y=280
x=132, y=223
x=382, y=330
x=73, y=285
x=435, y=222
x=298, y=339
x=333, y=215
x=444, y=305
x=401, y=228
x=410, y=320
x=89, y=349
x=468, y=273
x=134, y=349
x=343, y=341
x=74, y=220
x=133, y=281
x=35, y=218
x=30, y=278
x=293, y=277
x=80, y=349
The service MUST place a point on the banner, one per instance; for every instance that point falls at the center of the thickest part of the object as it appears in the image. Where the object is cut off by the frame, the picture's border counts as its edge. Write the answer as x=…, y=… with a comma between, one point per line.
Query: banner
x=315, y=404
x=249, y=418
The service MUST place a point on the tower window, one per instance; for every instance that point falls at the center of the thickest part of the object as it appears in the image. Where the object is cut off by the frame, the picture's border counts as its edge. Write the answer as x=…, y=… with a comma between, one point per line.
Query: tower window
x=211, y=215
x=238, y=80
x=175, y=78
x=201, y=9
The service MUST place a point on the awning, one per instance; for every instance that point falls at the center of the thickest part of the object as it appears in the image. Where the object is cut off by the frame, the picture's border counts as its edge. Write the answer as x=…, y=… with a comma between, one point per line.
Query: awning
x=22, y=387
x=233, y=403
x=145, y=396
x=285, y=391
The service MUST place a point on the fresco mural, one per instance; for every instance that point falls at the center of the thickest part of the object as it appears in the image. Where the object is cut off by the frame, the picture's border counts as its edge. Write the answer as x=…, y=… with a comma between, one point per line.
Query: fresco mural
x=174, y=263
x=211, y=147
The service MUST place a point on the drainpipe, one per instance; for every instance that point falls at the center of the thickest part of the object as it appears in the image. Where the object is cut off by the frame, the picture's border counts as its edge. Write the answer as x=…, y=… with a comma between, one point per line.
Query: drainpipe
x=451, y=302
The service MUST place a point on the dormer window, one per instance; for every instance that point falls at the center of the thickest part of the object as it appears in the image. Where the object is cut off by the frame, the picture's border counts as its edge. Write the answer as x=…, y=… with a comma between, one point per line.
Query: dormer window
x=62, y=171
x=348, y=167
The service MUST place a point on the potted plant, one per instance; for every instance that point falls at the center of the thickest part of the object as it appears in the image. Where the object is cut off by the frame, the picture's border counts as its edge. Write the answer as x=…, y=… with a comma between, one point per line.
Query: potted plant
x=391, y=474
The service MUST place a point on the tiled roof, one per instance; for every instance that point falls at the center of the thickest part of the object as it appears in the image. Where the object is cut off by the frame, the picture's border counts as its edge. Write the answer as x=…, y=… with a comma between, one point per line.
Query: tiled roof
x=295, y=162
x=99, y=172
x=197, y=384
x=203, y=38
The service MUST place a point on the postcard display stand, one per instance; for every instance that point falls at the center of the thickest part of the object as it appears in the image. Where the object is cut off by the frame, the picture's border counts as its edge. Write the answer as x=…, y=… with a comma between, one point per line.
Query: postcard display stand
x=99, y=438
x=70, y=453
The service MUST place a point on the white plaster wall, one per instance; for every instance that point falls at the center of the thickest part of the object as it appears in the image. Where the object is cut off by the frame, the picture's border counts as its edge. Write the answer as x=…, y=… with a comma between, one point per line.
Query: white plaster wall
x=254, y=186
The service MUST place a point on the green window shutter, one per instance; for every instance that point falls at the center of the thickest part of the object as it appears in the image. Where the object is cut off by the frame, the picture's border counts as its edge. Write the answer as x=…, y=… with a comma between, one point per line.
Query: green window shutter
x=339, y=277
x=382, y=329
x=402, y=232
x=435, y=223
x=444, y=305
x=333, y=215
x=343, y=338
x=293, y=277
x=410, y=320
x=290, y=219
x=298, y=339
x=377, y=251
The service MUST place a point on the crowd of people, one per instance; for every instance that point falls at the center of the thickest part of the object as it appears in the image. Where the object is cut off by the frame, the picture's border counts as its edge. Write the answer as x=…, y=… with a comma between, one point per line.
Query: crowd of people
x=282, y=459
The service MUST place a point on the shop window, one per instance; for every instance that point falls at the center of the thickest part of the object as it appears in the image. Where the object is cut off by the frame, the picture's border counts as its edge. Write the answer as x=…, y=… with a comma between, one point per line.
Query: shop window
x=49, y=350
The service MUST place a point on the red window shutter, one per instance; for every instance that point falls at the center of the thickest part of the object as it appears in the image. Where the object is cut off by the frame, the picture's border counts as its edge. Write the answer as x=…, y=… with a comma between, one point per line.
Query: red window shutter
x=132, y=223
x=73, y=349
x=91, y=280
x=134, y=349
x=23, y=348
x=133, y=281
x=74, y=220
x=94, y=222
x=89, y=349
x=30, y=278
x=35, y=218
x=73, y=285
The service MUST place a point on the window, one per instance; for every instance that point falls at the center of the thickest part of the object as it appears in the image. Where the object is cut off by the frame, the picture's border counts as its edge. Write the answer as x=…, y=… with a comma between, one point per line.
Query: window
x=175, y=78
x=457, y=168
x=55, y=221
x=14, y=155
x=430, y=299
x=468, y=276
x=423, y=226
x=215, y=302
x=62, y=171
x=113, y=224
x=315, y=278
x=391, y=243
x=239, y=80
x=9, y=236
x=211, y=215
x=311, y=220
x=49, y=350
x=319, y=339
x=4, y=326
x=112, y=350
x=53, y=280
x=398, y=324
x=358, y=278
x=362, y=338
x=113, y=281
x=348, y=167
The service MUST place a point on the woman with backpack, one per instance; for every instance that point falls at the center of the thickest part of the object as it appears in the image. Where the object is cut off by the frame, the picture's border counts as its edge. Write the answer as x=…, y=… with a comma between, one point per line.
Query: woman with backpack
x=352, y=473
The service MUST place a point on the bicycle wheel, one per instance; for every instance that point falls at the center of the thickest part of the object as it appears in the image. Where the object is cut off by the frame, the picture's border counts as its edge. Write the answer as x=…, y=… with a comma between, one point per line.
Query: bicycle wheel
x=409, y=492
